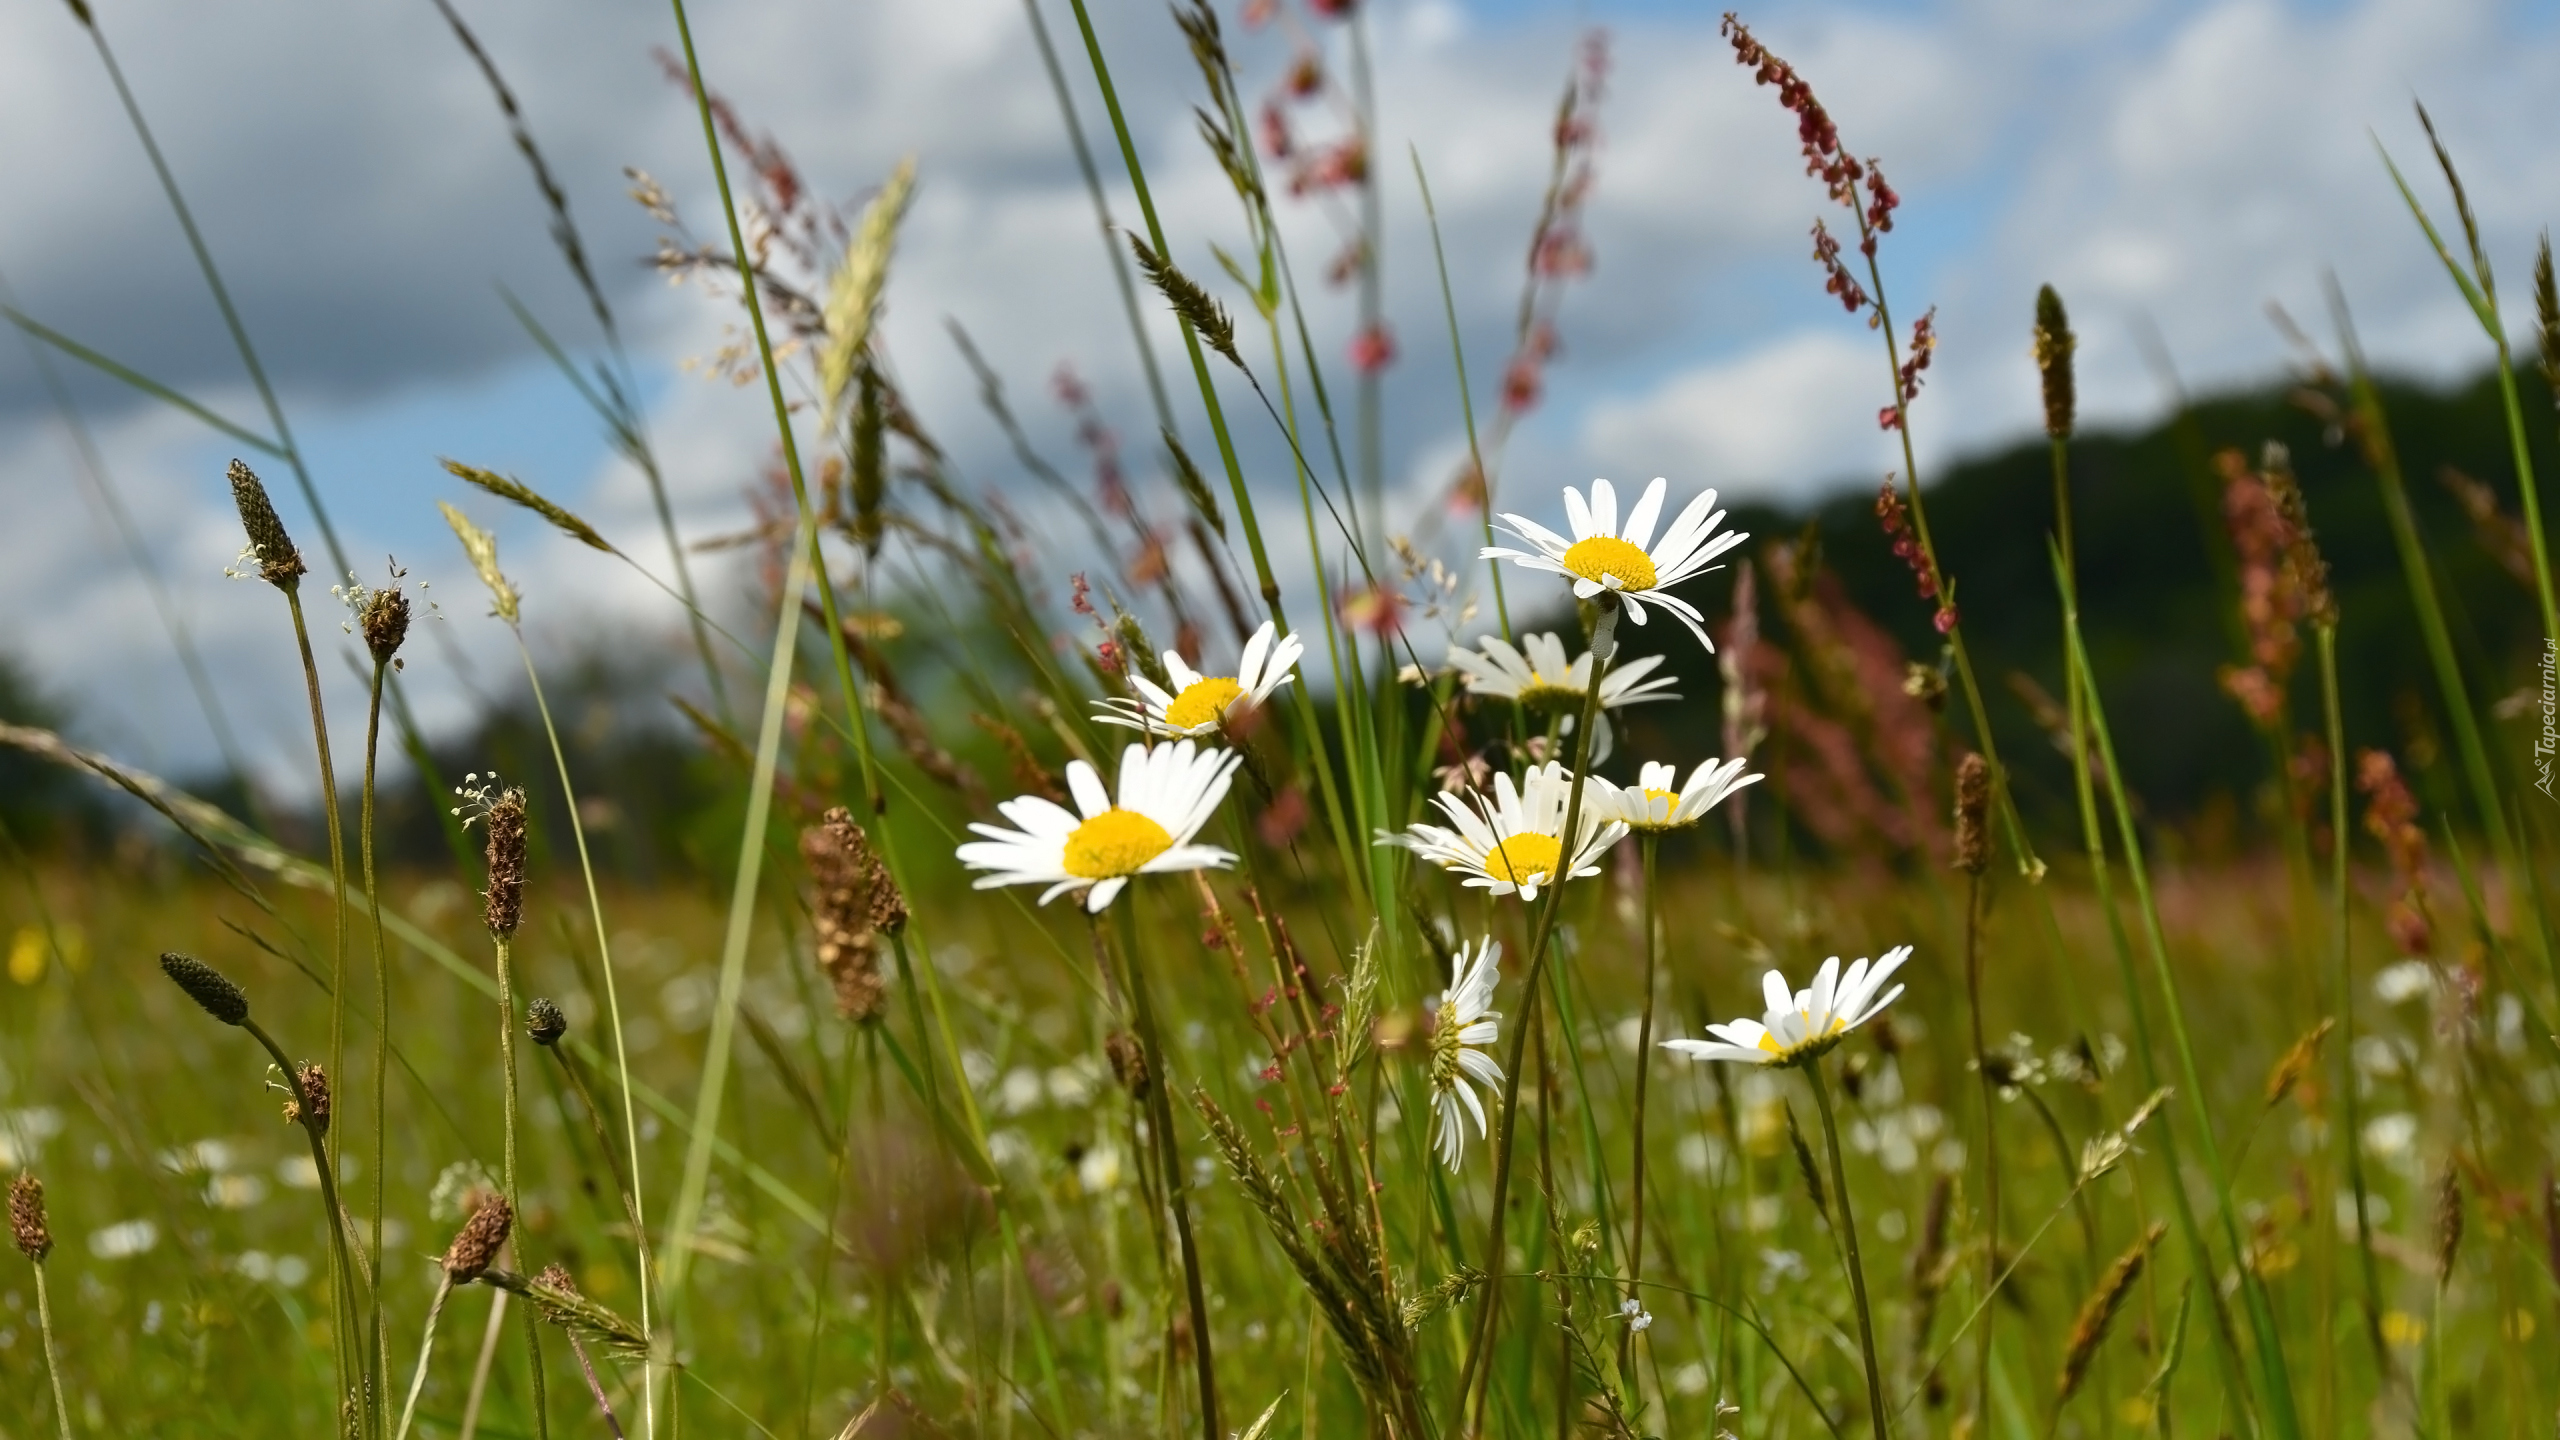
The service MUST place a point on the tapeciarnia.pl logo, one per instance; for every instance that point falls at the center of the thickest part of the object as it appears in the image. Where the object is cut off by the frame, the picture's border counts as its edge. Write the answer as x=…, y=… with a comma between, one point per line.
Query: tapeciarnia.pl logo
x=2549, y=740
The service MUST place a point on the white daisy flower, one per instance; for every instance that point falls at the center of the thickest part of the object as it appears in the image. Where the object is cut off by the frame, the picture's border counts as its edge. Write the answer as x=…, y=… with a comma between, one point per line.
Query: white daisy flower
x=1466, y=1019
x=1651, y=803
x=1200, y=703
x=1536, y=677
x=1515, y=840
x=1624, y=560
x=1802, y=1025
x=1166, y=794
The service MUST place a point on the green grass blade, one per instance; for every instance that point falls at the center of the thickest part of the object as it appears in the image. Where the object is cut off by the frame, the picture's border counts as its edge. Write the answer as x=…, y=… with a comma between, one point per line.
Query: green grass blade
x=139, y=381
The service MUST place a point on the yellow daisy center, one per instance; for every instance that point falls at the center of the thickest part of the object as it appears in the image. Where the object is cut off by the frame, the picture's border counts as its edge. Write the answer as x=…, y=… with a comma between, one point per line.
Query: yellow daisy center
x=1202, y=702
x=1769, y=1040
x=1671, y=797
x=1542, y=693
x=1604, y=556
x=1524, y=859
x=1113, y=843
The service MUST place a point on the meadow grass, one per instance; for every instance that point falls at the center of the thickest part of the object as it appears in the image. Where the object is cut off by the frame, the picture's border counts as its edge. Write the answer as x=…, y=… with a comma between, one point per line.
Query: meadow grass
x=1272, y=1126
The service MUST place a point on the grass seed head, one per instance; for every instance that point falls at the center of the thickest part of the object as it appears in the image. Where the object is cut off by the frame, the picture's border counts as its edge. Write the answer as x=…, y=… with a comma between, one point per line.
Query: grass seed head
x=206, y=986
x=846, y=911
x=383, y=620
x=2546, y=313
x=2054, y=344
x=544, y=1022
x=26, y=1218
x=505, y=908
x=2099, y=1311
x=478, y=1242
x=1973, y=808
x=279, y=561
x=309, y=1104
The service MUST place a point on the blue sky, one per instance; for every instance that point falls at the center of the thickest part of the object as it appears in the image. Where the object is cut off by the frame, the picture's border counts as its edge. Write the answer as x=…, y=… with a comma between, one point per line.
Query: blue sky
x=2172, y=164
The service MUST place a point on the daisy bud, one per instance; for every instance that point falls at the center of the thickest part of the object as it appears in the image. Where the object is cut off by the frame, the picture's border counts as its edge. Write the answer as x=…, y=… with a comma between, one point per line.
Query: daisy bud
x=279, y=561
x=505, y=899
x=206, y=986
x=26, y=1218
x=1973, y=808
x=2054, y=344
x=479, y=1240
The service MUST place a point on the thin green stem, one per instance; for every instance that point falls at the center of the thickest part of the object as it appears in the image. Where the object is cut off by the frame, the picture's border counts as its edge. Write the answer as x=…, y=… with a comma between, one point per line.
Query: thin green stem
x=2342, y=979
x=1169, y=1161
x=376, y=1340
x=515, y=1190
x=343, y=1292
x=2275, y=1383
x=1467, y=409
x=612, y=1002
x=426, y=1350
x=1990, y=1136
x=1476, y=1372
x=1849, y=1246
x=1646, y=845
x=2028, y=863
x=2226, y=1348
x=52, y=1358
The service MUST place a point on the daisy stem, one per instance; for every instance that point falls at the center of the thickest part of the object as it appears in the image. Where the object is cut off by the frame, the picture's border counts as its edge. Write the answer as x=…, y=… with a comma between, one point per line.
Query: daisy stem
x=1476, y=1374
x=1849, y=1246
x=1169, y=1159
x=1644, y=1057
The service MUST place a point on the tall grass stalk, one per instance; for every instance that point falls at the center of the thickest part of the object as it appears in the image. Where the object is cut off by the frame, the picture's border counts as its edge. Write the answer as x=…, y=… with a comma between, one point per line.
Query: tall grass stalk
x=1467, y=408
x=2480, y=292
x=2024, y=847
x=52, y=1358
x=515, y=1189
x=2343, y=992
x=377, y=1341
x=426, y=1352
x=1973, y=915
x=342, y=1289
x=2373, y=434
x=2273, y=1383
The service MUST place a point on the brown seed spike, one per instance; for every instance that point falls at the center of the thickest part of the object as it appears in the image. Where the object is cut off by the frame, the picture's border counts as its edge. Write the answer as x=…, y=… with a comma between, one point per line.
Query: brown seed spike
x=206, y=986
x=1128, y=1062
x=279, y=561
x=384, y=621
x=1973, y=809
x=544, y=1022
x=26, y=1218
x=505, y=907
x=2054, y=344
x=848, y=880
x=2099, y=1311
x=2546, y=311
x=310, y=1108
x=2448, y=1222
x=556, y=1276
x=478, y=1242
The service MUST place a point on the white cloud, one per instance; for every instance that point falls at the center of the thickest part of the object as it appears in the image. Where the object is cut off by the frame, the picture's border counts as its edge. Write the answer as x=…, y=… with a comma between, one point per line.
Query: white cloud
x=1772, y=424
